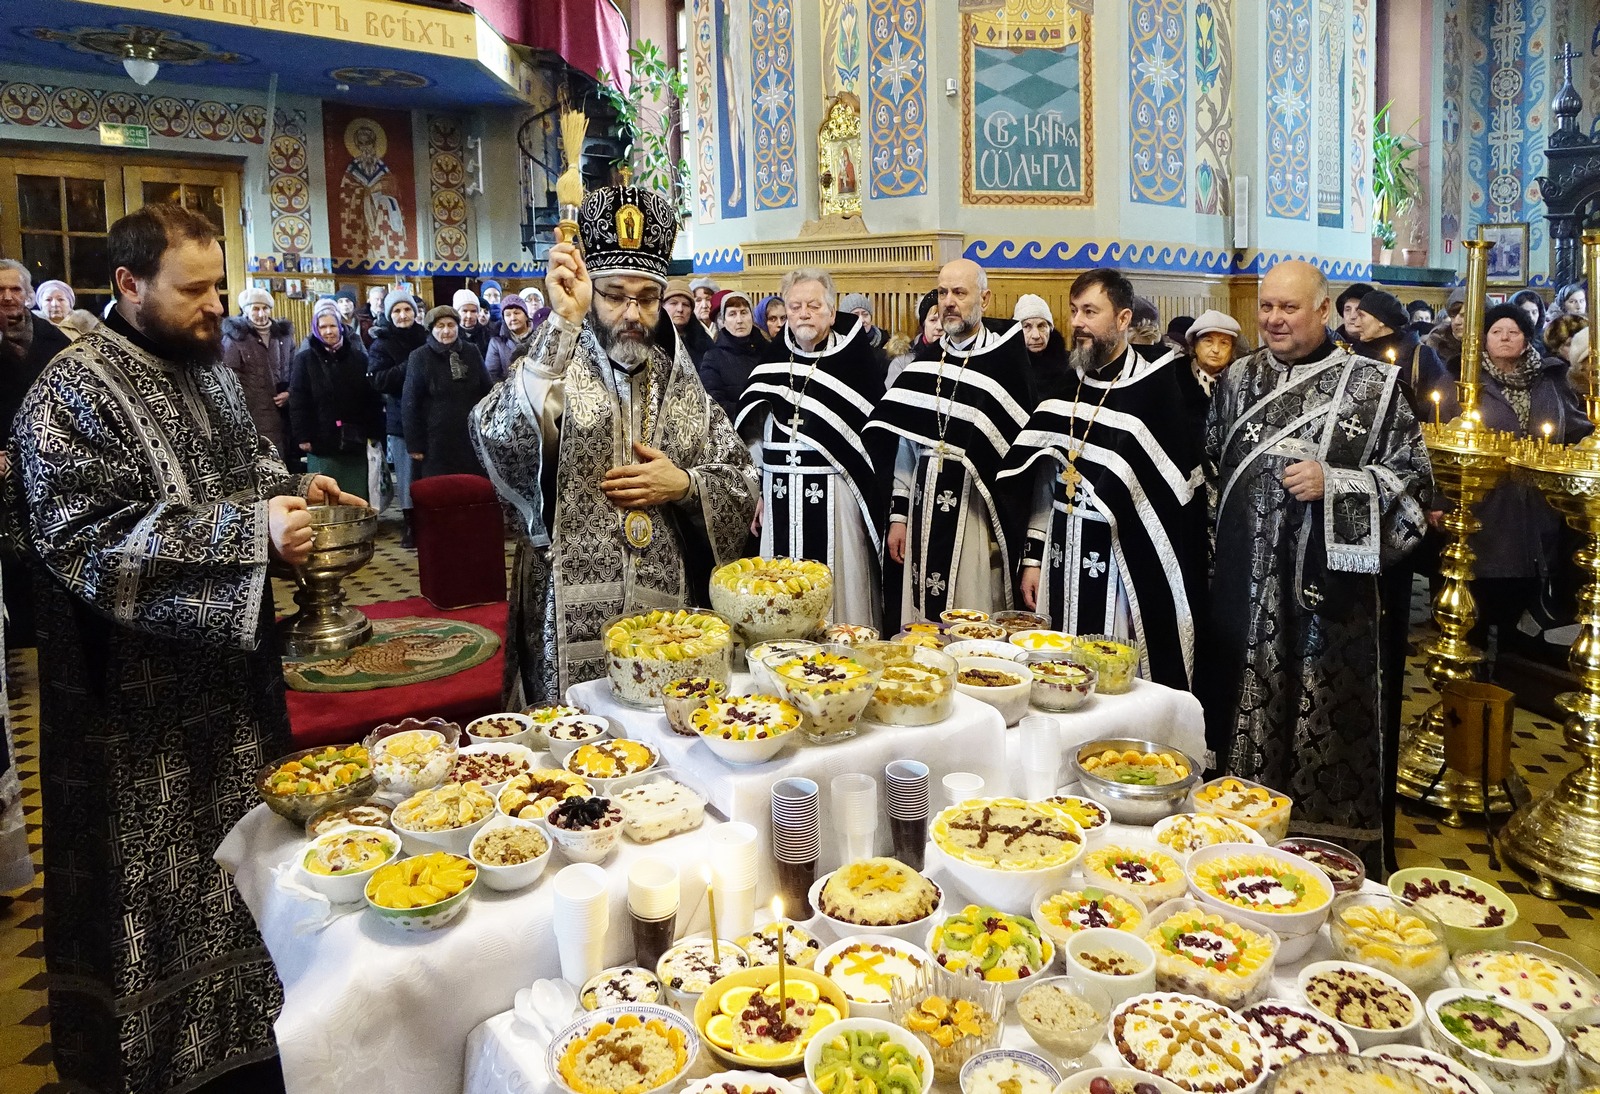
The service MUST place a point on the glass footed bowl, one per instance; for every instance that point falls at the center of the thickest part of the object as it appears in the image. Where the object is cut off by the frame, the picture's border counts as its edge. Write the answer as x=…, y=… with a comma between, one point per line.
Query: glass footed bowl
x=918, y=686
x=1043, y=1016
x=906, y=997
x=830, y=686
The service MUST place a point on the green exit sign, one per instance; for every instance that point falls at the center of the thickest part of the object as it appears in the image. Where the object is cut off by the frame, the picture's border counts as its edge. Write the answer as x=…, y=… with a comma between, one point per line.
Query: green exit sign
x=124, y=136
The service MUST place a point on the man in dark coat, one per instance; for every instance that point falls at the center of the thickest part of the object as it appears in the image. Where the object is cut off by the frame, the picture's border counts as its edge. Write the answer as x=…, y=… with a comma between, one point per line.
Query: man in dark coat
x=395, y=337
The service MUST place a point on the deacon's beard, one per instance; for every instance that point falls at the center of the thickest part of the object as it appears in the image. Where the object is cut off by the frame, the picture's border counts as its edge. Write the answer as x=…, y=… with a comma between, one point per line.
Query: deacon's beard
x=1093, y=355
x=960, y=326
x=201, y=343
x=627, y=343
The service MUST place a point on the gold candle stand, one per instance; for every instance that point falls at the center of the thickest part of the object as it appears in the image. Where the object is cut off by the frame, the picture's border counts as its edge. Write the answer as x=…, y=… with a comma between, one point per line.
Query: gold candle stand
x=1467, y=461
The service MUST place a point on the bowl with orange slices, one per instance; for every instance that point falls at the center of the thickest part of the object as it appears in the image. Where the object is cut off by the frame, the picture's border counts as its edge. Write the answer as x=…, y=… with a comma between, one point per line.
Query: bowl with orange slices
x=741, y=1022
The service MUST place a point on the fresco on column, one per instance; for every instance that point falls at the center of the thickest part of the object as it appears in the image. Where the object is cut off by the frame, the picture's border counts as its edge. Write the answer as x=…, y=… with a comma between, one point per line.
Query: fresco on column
x=772, y=35
x=1508, y=95
x=841, y=47
x=369, y=164
x=897, y=100
x=1288, y=186
x=703, y=90
x=1360, y=112
x=1452, y=109
x=1158, y=102
x=1027, y=130
x=1213, y=105
x=732, y=51
x=1331, y=143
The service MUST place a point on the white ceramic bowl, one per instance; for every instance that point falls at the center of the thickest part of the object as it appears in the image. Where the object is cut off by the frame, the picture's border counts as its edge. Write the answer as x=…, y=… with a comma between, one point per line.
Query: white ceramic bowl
x=1030, y=1061
x=1364, y=1036
x=756, y=1080
x=1117, y=988
x=605, y=786
x=586, y=844
x=581, y=1028
x=564, y=735
x=455, y=840
x=1442, y=1073
x=1078, y=1081
x=499, y=748
x=508, y=879
x=983, y=647
x=914, y=932
x=1043, y=640
x=1296, y=930
x=345, y=888
x=866, y=1007
x=747, y=752
x=529, y=737
x=1009, y=989
x=871, y=1025
x=1061, y=935
x=1009, y=890
x=1504, y=1076
x=1011, y=701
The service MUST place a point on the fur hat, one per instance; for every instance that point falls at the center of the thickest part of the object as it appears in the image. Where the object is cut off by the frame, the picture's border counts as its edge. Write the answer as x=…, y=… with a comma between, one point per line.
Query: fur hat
x=707, y=283
x=929, y=301
x=443, y=311
x=728, y=297
x=253, y=295
x=678, y=288
x=465, y=296
x=1030, y=306
x=1213, y=322
x=1511, y=312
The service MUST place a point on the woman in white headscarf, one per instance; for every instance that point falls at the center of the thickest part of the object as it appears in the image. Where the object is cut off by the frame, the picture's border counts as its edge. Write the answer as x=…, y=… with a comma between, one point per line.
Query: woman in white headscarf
x=56, y=302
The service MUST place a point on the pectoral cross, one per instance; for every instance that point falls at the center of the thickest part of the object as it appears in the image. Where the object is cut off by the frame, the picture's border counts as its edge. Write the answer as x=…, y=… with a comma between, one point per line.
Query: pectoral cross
x=1070, y=478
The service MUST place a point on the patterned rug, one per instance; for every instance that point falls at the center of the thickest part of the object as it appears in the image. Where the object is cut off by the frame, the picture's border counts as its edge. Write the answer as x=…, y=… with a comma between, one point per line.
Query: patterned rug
x=406, y=650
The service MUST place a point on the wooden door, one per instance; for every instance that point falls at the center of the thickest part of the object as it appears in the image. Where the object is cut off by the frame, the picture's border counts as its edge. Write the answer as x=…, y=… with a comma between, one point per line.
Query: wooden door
x=214, y=194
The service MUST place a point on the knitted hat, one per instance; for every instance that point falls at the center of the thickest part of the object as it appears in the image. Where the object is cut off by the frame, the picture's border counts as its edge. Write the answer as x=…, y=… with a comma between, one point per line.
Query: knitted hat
x=346, y=294
x=1458, y=295
x=485, y=286
x=516, y=302
x=465, y=296
x=702, y=283
x=326, y=306
x=716, y=300
x=854, y=300
x=929, y=301
x=1213, y=322
x=253, y=295
x=678, y=288
x=730, y=296
x=56, y=286
x=1178, y=329
x=1354, y=292
x=397, y=296
x=442, y=312
x=1419, y=304
x=1385, y=308
x=1511, y=312
x=1144, y=311
x=1030, y=306
x=532, y=296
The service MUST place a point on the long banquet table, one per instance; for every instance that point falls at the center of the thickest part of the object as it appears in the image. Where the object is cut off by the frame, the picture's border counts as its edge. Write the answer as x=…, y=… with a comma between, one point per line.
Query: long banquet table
x=369, y=1009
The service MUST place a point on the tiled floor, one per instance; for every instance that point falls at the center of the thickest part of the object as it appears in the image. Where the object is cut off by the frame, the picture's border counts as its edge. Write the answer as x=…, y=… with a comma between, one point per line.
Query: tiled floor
x=1571, y=924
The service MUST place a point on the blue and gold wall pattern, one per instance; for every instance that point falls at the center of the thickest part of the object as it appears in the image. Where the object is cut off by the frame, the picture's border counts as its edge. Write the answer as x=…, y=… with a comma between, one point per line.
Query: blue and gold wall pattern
x=1027, y=129
x=1213, y=105
x=731, y=53
x=703, y=89
x=1158, y=102
x=1288, y=84
x=897, y=82
x=1508, y=89
x=772, y=34
x=1332, y=146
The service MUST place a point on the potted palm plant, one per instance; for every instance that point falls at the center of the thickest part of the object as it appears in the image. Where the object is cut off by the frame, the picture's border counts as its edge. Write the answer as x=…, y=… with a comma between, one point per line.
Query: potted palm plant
x=1395, y=183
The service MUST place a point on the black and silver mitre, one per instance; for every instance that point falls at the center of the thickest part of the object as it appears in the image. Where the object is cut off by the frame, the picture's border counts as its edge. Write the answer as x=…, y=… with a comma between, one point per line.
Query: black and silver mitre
x=627, y=230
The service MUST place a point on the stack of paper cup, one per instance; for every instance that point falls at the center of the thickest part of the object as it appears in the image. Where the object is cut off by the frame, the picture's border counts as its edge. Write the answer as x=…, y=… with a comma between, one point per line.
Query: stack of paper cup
x=1040, y=739
x=734, y=868
x=854, y=799
x=905, y=785
x=652, y=908
x=582, y=918
x=961, y=785
x=796, y=842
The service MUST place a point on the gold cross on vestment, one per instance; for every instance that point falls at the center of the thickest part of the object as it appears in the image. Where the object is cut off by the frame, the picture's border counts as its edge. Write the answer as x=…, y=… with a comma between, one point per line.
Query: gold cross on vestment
x=1070, y=478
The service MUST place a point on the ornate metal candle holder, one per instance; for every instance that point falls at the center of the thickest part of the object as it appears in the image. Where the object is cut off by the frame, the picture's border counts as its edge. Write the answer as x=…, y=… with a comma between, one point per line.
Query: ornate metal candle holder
x=341, y=543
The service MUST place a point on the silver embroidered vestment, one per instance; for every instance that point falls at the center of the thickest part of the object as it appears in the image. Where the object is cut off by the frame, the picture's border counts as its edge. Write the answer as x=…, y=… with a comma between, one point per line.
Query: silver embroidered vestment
x=547, y=435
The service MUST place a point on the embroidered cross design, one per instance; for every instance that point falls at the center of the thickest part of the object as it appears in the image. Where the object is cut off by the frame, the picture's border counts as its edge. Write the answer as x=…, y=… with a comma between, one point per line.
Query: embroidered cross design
x=1080, y=499
x=1252, y=432
x=814, y=493
x=1094, y=564
x=935, y=584
x=1352, y=427
x=780, y=489
x=946, y=501
x=1313, y=595
x=792, y=459
x=1056, y=556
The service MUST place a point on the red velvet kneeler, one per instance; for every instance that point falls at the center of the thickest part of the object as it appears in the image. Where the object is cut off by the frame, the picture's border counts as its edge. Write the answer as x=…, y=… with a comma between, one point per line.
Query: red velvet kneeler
x=339, y=717
x=461, y=540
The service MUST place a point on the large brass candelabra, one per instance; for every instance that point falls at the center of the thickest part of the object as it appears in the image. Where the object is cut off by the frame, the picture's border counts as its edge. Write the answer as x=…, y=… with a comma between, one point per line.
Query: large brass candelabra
x=1467, y=461
x=1557, y=836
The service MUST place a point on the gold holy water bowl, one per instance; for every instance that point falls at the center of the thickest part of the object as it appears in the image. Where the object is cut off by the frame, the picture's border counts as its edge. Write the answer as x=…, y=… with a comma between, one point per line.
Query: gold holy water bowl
x=341, y=543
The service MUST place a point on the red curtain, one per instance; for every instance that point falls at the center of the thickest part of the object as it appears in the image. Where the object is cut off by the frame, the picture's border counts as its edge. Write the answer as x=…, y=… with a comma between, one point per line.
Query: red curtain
x=588, y=34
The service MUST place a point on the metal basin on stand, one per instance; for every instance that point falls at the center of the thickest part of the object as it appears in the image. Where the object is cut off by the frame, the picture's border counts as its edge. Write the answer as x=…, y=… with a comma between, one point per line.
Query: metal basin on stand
x=325, y=626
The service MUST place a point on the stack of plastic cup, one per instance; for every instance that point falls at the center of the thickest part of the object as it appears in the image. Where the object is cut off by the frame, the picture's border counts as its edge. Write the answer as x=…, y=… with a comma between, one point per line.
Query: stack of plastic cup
x=1040, y=739
x=582, y=918
x=652, y=908
x=961, y=785
x=853, y=800
x=796, y=842
x=734, y=868
x=905, y=784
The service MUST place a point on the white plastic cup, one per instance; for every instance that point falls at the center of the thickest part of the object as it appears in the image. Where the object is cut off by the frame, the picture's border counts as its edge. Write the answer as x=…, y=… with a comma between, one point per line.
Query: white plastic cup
x=859, y=845
x=733, y=854
x=855, y=802
x=961, y=785
x=796, y=795
x=736, y=910
x=653, y=888
x=581, y=961
x=1040, y=740
x=581, y=903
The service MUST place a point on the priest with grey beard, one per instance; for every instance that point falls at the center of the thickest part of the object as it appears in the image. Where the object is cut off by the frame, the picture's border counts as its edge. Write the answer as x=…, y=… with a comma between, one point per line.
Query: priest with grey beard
x=628, y=480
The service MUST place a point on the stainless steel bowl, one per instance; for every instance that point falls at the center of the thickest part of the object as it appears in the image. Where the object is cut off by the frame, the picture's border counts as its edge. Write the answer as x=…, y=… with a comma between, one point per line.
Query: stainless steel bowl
x=1127, y=803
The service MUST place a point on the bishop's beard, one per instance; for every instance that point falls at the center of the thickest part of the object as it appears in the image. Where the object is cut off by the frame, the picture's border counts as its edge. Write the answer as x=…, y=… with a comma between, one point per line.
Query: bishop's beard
x=627, y=343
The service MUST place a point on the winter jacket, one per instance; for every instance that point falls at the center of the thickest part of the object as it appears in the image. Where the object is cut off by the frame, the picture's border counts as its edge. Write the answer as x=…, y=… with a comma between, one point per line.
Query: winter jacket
x=479, y=336
x=386, y=367
x=725, y=369
x=1520, y=531
x=77, y=323
x=696, y=342
x=20, y=367
x=503, y=351
x=1420, y=367
x=264, y=369
x=331, y=405
x=436, y=406
x=1447, y=346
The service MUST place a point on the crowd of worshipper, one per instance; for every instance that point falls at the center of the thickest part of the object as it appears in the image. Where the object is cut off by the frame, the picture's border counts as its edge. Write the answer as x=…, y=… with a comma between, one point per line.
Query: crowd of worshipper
x=1250, y=519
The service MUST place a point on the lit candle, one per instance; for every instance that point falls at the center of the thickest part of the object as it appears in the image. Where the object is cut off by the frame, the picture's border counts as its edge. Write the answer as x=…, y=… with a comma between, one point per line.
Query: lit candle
x=1547, y=429
x=1435, y=408
x=711, y=904
x=1390, y=355
x=783, y=995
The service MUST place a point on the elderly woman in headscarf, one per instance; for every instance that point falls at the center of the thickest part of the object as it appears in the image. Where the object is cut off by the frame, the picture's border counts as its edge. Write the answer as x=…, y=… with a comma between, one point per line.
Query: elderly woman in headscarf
x=56, y=302
x=333, y=411
x=770, y=317
x=928, y=332
x=445, y=378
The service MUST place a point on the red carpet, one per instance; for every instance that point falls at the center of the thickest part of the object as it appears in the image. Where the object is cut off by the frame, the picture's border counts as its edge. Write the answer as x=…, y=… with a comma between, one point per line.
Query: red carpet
x=317, y=718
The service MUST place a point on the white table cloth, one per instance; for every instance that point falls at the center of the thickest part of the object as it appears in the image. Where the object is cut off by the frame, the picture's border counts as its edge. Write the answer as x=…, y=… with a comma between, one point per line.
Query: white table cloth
x=502, y=1058
x=371, y=1009
x=972, y=739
